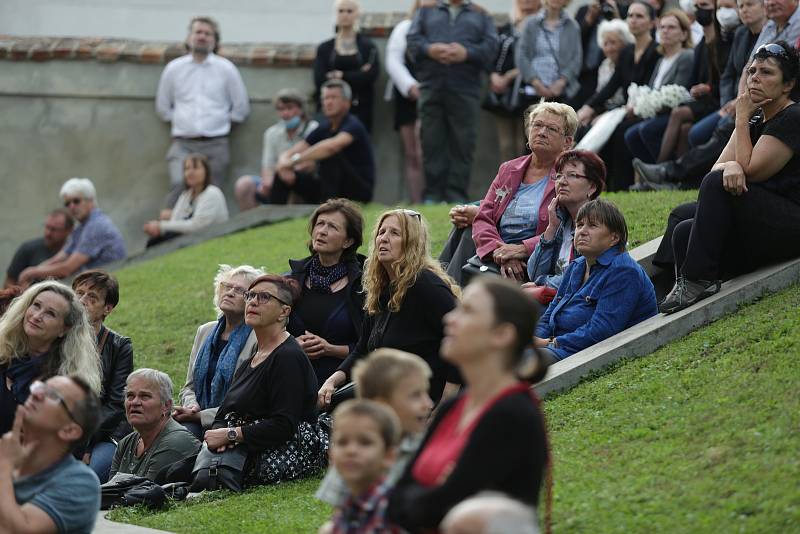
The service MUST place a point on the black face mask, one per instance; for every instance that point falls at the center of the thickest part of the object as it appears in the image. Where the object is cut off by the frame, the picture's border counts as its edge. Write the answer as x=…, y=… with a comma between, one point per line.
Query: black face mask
x=703, y=16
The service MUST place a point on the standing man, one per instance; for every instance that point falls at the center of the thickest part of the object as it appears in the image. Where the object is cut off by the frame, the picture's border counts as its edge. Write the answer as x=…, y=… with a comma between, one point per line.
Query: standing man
x=43, y=488
x=452, y=43
x=201, y=93
x=98, y=292
x=57, y=227
x=94, y=242
x=293, y=127
x=341, y=147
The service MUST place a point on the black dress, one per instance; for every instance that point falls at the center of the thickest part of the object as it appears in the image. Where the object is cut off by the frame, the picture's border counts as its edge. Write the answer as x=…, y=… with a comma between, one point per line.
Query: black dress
x=416, y=328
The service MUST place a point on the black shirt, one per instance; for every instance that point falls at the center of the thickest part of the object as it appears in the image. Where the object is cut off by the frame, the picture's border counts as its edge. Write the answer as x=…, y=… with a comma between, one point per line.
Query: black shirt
x=783, y=126
x=277, y=395
x=28, y=254
x=416, y=328
x=627, y=72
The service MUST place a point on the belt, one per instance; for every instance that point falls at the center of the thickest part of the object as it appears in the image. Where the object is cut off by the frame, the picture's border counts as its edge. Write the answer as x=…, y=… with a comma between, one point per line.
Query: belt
x=200, y=138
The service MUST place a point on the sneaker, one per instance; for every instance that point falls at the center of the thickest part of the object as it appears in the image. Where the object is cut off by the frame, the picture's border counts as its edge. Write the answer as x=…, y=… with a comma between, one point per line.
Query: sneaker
x=640, y=187
x=652, y=173
x=687, y=292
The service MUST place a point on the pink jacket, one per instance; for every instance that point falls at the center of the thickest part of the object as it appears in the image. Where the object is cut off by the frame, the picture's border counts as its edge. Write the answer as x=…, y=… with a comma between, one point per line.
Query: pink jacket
x=503, y=188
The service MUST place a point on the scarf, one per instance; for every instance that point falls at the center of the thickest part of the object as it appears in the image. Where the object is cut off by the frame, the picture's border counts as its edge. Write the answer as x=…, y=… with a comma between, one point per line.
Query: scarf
x=22, y=372
x=321, y=277
x=226, y=365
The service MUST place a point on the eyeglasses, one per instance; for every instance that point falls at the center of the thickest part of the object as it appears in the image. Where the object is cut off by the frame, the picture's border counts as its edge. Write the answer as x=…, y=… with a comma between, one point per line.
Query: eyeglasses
x=552, y=130
x=346, y=10
x=771, y=50
x=570, y=176
x=412, y=213
x=70, y=201
x=238, y=291
x=262, y=297
x=50, y=393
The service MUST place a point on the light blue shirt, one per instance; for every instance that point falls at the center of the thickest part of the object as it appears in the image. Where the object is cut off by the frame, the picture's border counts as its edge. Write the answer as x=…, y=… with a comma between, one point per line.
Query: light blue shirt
x=521, y=216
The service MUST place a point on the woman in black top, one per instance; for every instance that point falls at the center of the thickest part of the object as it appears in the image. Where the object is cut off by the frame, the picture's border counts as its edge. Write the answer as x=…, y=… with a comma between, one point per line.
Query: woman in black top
x=406, y=295
x=352, y=57
x=748, y=208
x=326, y=319
x=274, y=392
x=492, y=436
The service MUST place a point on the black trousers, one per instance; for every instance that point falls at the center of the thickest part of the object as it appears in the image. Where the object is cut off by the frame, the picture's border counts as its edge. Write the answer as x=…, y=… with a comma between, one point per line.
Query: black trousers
x=736, y=234
x=338, y=178
x=618, y=158
x=306, y=185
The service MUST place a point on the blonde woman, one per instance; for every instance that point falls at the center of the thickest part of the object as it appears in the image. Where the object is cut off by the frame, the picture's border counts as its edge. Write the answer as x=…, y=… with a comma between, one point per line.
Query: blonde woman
x=219, y=348
x=406, y=296
x=44, y=333
x=352, y=57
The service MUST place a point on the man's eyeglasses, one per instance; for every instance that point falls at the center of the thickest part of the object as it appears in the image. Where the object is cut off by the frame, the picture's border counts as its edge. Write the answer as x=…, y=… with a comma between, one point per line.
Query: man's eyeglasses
x=70, y=201
x=50, y=393
x=771, y=50
x=238, y=291
x=552, y=130
x=346, y=10
x=570, y=176
x=262, y=297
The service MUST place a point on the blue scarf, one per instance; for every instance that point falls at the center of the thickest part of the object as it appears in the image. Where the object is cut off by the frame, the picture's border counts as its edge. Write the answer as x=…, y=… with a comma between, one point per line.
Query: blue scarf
x=226, y=365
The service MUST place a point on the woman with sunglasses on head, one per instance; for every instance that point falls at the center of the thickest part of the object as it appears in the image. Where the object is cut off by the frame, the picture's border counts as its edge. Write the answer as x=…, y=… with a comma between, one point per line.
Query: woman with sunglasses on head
x=326, y=319
x=580, y=177
x=273, y=396
x=45, y=332
x=748, y=207
x=219, y=348
x=406, y=295
x=350, y=56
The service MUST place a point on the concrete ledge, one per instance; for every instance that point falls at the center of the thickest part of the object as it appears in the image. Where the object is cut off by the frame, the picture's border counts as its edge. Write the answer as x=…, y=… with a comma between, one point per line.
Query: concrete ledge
x=657, y=331
x=643, y=255
x=253, y=218
x=104, y=526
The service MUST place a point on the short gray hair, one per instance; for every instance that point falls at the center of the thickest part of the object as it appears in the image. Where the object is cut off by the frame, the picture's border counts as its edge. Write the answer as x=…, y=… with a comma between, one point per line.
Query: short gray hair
x=614, y=25
x=226, y=272
x=342, y=85
x=502, y=514
x=155, y=377
x=78, y=186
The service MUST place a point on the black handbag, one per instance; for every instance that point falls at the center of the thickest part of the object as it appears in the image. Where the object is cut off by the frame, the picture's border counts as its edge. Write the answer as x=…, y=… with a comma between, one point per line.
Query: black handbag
x=127, y=490
x=346, y=392
x=219, y=470
x=476, y=266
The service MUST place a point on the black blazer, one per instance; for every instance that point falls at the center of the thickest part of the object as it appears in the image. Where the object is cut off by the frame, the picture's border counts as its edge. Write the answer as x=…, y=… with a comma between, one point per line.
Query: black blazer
x=626, y=73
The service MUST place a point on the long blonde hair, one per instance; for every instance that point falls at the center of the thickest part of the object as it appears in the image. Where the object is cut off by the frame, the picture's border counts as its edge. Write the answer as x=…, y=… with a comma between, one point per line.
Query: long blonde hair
x=73, y=354
x=416, y=257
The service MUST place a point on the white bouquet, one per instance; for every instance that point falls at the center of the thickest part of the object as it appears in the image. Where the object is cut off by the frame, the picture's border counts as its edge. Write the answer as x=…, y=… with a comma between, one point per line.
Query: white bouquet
x=648, y=102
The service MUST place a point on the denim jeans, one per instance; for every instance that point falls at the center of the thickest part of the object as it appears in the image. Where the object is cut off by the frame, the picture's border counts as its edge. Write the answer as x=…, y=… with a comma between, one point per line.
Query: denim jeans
x=644, y=138
x=102, y=456
x=703, y=129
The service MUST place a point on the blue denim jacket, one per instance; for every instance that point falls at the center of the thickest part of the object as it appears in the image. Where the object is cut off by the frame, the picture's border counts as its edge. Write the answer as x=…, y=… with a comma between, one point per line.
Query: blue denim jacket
x=617, y=295
x=542, y=263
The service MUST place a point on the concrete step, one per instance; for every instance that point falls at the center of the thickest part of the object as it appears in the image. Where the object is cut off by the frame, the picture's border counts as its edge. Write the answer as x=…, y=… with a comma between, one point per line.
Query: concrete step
x=105, y=526
x=657, y=331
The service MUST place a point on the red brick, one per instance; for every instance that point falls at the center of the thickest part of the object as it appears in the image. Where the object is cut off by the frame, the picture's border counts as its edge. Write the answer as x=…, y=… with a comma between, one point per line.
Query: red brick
x=19, y=51
x=131, y=52
x=64, y=48
x=40, y=52
x=107, y=53
x=262, y=56
x=173, y=51
x=152, y=54
x=286, y=56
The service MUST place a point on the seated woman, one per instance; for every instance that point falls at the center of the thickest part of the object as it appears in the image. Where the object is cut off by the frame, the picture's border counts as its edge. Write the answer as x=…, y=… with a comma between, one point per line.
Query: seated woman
x=581, y=176
x=602, y=293
x=219, y=348
x=514, y=211
x=468, y=447
x=751, y=197
x=199, y=206
x=326, y=320
x=406, y=295
x=45, y=332
x=272, y=399
x=157, y=440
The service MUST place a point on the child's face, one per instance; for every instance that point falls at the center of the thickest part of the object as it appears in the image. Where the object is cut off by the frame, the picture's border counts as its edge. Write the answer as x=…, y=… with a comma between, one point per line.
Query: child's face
x=411, y=402
x=358, y=452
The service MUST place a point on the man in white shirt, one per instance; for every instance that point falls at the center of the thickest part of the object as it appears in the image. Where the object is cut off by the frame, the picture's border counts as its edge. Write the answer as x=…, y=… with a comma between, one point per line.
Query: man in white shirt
x=201, y=93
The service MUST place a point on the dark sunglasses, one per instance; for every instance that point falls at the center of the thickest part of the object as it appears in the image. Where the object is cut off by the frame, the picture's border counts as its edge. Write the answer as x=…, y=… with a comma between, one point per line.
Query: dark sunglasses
x=40, y=388
x=71, y=201
x=262, y=297
x=412, y=213
x=771, y=50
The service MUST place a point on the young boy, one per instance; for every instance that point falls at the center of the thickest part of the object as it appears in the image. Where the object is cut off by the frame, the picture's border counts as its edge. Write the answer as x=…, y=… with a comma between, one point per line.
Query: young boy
x=399, y=380
x=363, y=447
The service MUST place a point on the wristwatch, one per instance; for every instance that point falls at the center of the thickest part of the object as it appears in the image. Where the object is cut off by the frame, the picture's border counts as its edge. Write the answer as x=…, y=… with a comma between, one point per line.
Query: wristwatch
x=232, y=435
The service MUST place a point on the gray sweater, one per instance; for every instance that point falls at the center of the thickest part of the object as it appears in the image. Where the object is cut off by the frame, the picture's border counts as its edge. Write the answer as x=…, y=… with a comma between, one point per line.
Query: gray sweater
x=570, y=53
x=472, y=28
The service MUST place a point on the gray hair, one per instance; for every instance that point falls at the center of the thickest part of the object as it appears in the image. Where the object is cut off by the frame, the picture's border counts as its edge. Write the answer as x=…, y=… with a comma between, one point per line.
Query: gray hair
x=342, y=85
x=155, y=377
x=78, y=186
x=615, y=25
x=501, y=514
x=226, y=272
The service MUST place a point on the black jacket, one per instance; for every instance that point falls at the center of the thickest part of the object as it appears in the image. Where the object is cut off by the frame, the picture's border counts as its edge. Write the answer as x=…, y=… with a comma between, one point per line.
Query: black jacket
x=116, y=357
x=741, y=47
x=627, y=72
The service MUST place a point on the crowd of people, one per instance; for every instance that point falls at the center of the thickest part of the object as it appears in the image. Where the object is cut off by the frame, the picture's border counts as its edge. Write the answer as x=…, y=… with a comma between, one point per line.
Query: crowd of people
x=425, y=364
